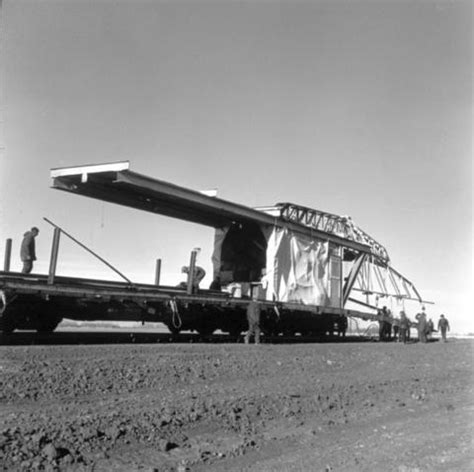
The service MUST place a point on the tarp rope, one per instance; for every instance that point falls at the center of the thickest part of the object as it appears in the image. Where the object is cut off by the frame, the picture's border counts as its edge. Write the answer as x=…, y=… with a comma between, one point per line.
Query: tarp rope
x=175, y=318
x=277, y=311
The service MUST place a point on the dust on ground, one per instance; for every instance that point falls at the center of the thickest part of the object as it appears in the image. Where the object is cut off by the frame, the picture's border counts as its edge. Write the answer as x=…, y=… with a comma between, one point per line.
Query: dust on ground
x=231, y=407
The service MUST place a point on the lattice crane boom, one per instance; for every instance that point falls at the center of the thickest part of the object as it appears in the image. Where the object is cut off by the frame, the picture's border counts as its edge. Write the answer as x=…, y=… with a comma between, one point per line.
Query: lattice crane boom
x=334, y=224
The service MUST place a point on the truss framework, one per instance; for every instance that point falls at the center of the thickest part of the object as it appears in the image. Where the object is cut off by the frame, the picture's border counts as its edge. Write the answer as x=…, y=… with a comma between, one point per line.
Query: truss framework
x=342, y=226
x=371, y=273
x=385, y=281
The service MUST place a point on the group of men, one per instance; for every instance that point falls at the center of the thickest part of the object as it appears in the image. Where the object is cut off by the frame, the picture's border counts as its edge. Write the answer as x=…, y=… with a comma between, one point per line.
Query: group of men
x=401, y=326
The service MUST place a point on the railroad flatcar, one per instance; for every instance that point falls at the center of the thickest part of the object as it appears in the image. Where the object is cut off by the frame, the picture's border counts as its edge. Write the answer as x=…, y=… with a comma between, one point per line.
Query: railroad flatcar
x=306, y=266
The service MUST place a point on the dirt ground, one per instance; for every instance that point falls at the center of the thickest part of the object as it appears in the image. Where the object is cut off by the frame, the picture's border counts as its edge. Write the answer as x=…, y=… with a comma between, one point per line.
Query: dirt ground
x=364, y=406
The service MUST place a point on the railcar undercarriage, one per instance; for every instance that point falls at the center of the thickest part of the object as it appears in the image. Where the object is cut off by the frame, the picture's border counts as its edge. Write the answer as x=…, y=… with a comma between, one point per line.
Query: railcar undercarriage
x=29, y=302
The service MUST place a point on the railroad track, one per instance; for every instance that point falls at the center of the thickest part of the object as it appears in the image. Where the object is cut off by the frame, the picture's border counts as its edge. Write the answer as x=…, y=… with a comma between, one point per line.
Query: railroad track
x=22, y=338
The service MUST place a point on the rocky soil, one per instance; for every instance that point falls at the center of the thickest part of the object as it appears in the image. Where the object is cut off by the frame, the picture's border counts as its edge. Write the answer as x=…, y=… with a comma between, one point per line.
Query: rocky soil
x=231, y=407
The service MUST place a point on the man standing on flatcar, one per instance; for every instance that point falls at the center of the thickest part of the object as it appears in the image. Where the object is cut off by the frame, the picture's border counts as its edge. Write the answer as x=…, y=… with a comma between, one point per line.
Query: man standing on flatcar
x=27, y=250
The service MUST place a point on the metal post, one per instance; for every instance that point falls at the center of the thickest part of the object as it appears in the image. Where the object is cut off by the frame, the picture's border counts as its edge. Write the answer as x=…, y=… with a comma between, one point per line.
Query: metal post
x=158, y=272
x=192, y=265
x=54, y=256
x=8, y=255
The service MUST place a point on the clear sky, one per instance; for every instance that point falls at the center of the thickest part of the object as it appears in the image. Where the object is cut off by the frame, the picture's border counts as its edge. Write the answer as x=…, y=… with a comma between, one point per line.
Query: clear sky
x=360, y=108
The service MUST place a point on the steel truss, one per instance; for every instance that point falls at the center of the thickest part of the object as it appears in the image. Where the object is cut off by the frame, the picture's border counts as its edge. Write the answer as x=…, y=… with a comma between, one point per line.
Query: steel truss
x=342, y=226
x=384, y=281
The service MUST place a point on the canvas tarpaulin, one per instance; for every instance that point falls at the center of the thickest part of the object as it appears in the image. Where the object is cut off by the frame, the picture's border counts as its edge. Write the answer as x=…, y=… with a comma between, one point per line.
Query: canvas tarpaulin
x=297, y=268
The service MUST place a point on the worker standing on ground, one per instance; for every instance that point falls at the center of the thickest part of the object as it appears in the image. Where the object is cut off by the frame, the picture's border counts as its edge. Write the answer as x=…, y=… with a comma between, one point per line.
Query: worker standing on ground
x=381, y=324
x=409, y=329
x=429, y=328
x=443, y=326
x=385, y=327
x=395, y=328
x=27, y=250
x=388, y=325
x=422, y=325
x=404, y=327
x=253, y=318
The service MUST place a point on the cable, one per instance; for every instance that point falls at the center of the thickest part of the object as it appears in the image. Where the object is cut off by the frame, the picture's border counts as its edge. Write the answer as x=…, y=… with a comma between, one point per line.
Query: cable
x=277, y=311
x=175, y=318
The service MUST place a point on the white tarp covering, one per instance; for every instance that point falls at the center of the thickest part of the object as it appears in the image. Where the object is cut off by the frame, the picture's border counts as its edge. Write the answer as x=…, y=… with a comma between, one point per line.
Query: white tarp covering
x=297, y=268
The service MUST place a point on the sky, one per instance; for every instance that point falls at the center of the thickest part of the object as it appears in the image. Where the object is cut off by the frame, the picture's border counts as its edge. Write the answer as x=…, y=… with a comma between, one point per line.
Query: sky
x=360, y=108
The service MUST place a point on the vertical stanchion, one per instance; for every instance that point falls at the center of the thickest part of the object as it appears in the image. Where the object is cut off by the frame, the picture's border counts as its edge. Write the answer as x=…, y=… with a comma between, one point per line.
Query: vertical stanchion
x=8, y=255
x=158, y=272
x=192, y=265
x=54, y=255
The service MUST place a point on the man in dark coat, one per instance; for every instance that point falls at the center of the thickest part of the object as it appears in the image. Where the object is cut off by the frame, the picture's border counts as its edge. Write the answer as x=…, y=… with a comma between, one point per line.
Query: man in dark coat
x=404, y=327
x=381, y=324
x=385, y=327
x=395, y=328
x=443, y=326
x=27, y=250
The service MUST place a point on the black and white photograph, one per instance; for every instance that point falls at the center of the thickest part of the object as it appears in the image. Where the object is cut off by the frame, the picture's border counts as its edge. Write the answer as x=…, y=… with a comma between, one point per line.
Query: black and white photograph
x=236, y=236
